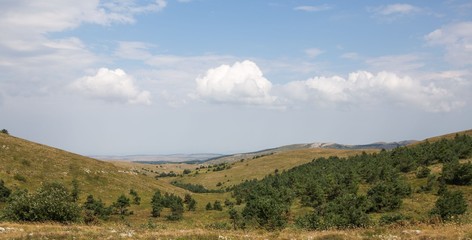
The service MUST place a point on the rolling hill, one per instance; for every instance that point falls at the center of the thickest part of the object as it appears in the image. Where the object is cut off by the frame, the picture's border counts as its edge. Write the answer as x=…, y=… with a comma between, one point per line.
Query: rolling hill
x=25, y=164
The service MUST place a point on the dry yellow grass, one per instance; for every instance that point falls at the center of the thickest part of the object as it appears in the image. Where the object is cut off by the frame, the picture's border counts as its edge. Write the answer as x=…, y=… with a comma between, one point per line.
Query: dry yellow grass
x=118, y=231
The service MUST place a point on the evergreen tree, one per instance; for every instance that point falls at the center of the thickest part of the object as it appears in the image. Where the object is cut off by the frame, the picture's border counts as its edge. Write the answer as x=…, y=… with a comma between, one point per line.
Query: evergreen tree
x=450, y=204
x=157, y=204
x=121, y=205
x=94, y=210
x=217, y=206
x=209, y=206
x=192, y=205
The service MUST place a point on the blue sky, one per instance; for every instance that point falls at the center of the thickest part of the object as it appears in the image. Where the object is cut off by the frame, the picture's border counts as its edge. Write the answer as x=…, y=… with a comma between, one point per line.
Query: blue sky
x=192, y=76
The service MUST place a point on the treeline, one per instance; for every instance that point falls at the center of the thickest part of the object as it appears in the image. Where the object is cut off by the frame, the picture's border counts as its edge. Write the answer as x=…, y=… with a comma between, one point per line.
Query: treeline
x=330, y=187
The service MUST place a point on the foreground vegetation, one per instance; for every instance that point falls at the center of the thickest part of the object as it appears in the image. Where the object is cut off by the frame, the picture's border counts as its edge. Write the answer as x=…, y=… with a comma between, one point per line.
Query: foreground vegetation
x=374, y=194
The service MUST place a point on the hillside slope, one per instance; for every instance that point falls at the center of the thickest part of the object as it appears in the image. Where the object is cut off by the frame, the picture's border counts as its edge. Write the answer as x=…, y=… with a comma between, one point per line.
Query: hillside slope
x=26, y=164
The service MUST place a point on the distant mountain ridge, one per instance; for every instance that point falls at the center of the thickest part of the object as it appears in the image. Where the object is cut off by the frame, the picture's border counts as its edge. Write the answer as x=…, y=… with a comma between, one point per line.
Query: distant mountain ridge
x=213, y=158
x=240, y=156
x=161, y=158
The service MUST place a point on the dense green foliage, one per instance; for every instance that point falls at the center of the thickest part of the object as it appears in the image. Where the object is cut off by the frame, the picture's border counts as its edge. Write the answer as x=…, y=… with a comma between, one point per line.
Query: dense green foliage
x=330, y=185
x=450, y=204
x=174, y=202
x=52, y=202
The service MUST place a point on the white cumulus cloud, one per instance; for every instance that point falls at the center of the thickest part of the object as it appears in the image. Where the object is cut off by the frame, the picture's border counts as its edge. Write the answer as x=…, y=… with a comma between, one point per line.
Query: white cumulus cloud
x=366, y=88
x=243, y=82
x=112, y=85
x=456, y=39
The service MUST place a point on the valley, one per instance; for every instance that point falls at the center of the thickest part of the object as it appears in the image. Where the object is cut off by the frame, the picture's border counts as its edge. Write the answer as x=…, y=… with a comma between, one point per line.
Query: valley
x=28, y=165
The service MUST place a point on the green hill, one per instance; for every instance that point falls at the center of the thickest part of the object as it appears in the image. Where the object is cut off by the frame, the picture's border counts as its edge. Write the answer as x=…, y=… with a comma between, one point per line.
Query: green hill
x=25, y=164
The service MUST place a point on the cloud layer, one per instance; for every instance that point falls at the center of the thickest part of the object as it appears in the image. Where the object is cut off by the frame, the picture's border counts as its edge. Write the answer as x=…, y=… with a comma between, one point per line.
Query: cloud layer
x=113, y=86
x=457, y=41
x=243, y=82
x=366, y=88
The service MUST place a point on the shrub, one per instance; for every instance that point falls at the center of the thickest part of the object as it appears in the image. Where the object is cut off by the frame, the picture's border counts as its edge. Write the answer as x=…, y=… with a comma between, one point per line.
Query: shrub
x=52, y=202
x=267, y=212
x=156, y=204
x=4, y=192
x=95, y=209
x=457, y=174
x=121, y=205
x=217, y=206
x=209, y=207
x=450, y=204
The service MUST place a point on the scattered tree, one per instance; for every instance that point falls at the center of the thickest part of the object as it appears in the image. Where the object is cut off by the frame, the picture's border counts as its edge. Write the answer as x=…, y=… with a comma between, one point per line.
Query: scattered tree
x=209, y=207
x=121, y=205
x=156, y=204
x=217, y=206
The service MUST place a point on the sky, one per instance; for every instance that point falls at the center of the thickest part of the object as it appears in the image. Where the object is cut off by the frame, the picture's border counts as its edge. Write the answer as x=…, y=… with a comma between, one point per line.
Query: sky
x=123, y=77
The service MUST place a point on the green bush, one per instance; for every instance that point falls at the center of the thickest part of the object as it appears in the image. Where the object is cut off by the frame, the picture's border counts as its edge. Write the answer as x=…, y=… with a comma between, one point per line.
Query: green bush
x=456, y=173
x=95, y=209
x=121, y=205
x=450, y=204
x=267, y=212
x=4, y=191
x=52, y=202
x=217, y=206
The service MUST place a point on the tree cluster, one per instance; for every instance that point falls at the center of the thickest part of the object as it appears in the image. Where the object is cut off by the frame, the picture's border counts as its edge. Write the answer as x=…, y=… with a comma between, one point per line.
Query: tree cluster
x=330, y=185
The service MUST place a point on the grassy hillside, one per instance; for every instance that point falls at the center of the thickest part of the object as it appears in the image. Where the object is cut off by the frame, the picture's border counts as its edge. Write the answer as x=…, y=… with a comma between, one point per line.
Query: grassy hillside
x=25, y=164
x=257, y=168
